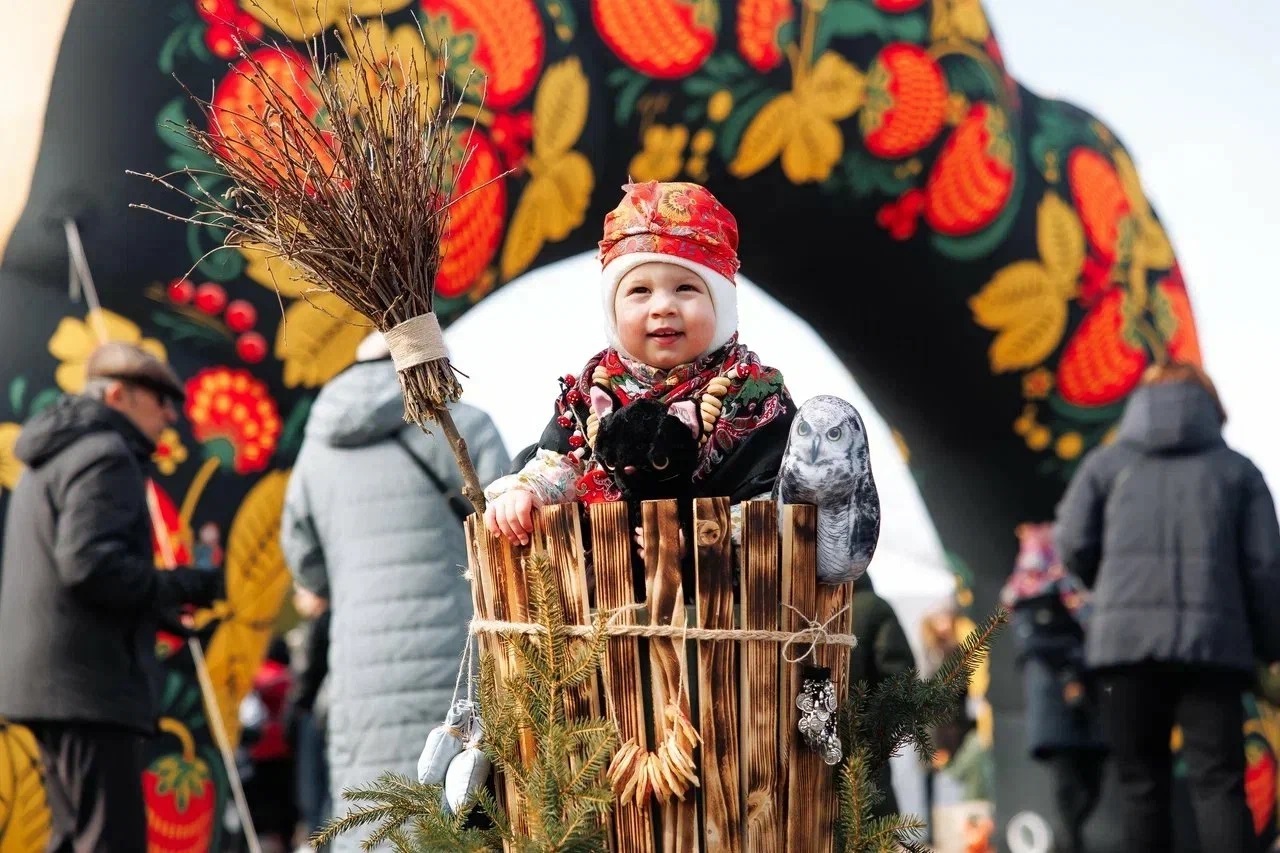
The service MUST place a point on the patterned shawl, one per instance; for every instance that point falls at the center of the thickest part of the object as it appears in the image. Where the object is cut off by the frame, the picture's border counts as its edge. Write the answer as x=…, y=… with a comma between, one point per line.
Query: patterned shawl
x=755, y=397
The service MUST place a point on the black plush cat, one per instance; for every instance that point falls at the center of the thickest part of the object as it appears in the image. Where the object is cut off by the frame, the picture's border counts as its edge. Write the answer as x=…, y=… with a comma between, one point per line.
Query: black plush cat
x=651, y=454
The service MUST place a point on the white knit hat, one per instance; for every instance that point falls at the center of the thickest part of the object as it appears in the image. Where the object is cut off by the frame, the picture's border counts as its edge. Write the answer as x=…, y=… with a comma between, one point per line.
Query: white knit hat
x=677, y=223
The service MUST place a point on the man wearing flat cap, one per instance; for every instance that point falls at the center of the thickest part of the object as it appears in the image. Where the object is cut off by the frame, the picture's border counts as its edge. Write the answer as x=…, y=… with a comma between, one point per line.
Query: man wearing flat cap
x=80, y=596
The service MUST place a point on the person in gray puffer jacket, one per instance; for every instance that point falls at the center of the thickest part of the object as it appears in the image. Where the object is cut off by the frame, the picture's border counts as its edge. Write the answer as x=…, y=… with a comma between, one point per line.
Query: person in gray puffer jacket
x=1177, y=535
x=365, y=528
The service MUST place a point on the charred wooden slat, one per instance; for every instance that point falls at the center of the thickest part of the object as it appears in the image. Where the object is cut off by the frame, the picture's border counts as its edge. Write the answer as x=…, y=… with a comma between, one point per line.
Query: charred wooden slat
x=763, y=785
x=717, y=678
x=624, y=698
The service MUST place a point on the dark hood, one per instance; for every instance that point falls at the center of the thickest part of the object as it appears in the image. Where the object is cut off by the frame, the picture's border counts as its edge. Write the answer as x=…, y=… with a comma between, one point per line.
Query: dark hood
x=1178, y=417
x=68, y=420
x=360, y=406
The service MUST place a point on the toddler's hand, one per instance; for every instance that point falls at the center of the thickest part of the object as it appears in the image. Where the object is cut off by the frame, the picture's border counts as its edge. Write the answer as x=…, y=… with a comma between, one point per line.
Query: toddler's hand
x=511, y=514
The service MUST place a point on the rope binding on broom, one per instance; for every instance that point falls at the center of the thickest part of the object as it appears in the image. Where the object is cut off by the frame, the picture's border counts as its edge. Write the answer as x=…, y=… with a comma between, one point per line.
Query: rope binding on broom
x=417, y=340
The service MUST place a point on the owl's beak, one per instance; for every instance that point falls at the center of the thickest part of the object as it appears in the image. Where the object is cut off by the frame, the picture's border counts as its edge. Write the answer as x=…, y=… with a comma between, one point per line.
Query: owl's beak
x=813, y=451
x=628, y=470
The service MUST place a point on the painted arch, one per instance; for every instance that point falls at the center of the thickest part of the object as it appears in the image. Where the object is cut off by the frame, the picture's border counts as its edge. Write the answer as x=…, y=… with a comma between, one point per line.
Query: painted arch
x=983, y=259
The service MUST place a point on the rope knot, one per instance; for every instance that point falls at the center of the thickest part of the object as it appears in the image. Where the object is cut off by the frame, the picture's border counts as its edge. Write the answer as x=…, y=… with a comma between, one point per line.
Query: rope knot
x=815, y=632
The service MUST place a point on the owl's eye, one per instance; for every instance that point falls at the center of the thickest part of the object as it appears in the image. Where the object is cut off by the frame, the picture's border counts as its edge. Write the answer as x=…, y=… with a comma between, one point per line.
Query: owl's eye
x=803, y=429
x=834, y=433
x=659, y=463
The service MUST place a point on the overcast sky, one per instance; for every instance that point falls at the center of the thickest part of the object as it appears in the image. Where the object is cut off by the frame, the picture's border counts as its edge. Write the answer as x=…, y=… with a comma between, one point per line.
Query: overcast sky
x=1193, y=90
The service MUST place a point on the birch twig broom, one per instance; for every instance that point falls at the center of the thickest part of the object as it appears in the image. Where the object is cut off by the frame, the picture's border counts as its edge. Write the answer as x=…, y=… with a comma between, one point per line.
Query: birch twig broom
x=357, y=199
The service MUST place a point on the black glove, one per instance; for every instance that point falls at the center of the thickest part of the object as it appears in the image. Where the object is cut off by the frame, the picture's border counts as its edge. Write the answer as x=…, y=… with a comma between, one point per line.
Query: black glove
x=200, y=587
x=171, y=621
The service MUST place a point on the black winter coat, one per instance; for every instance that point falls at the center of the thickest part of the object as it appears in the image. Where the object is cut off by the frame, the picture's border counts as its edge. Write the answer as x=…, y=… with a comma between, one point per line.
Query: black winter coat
x=80, y=597
x=746, y=472
x=1061, y=703
x=882, y=652
x=1177, y=535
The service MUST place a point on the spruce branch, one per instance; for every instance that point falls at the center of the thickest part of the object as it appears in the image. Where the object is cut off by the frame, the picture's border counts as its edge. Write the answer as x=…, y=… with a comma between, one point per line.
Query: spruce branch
x=584, y=662
x=391, y=802
x=562, y=786
x=876, y=724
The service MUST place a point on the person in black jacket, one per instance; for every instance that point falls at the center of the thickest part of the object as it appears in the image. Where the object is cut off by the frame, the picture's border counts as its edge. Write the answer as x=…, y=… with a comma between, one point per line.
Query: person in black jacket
x=882, y=652
x=1050, y=612
x=80, y=596
x=1176, y=534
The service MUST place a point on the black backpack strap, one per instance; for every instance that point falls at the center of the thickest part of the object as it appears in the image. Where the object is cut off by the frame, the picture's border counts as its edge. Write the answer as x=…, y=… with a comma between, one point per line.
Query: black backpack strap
x=458, y=502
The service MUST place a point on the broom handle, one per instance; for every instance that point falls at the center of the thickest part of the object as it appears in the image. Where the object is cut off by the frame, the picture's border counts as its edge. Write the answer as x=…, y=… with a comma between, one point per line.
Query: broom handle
x=470, y=482
x=224, y=745
x=206, y=686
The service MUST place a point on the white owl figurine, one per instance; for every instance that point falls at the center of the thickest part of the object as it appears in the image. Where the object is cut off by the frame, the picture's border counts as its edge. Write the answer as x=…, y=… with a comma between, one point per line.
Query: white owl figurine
x=827, y=463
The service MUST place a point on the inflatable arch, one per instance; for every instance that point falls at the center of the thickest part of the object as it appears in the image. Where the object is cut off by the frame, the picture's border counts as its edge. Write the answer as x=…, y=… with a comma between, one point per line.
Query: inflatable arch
x=983, y=259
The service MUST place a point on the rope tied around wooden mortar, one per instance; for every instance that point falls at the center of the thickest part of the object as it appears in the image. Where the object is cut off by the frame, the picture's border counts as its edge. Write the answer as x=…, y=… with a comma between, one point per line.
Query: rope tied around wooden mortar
x=815, y=633
x=417, y=340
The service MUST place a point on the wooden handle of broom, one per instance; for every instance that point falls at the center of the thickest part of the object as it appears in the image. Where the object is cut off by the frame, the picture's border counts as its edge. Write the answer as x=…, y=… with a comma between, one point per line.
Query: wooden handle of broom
x=470, y=481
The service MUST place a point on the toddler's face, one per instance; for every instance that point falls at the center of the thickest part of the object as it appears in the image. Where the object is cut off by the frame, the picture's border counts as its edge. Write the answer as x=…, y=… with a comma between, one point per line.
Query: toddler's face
x=665, y=315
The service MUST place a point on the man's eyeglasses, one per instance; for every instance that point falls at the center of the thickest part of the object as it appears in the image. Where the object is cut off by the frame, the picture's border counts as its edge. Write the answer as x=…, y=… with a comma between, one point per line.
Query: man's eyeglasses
x=163, y=400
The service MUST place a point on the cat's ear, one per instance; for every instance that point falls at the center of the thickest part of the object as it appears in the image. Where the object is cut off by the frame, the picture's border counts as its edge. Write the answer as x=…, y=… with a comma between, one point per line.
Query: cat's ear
x=601, y=402
x=686, y=411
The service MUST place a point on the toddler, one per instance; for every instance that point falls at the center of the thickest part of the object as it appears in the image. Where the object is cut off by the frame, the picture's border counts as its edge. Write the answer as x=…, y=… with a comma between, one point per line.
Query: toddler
x=669, y=256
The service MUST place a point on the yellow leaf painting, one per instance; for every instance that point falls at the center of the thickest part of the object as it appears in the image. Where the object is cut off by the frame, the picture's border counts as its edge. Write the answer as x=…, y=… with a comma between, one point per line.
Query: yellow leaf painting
x=525, y=237
x=566, y=207
x=560, y=180
x=10, y=467
x=560, y=108
x=257, y=582
x=74, y=339
x=800, y=126
x=661, y=155
x=25, y=821
x=273, y=272
x=317, y=339
x=397, y=54
x=813, y=151
x=233, y=656
x=1152, y=249
x=766, y=136
x=302, y=19
x=256, y=574
x=1060, y=239
x=959, y=19
x=1027, y=311
x=834, y=89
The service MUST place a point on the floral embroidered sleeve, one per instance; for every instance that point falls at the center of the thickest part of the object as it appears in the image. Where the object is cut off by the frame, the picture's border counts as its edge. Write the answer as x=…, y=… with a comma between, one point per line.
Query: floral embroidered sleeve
x=551, y=478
